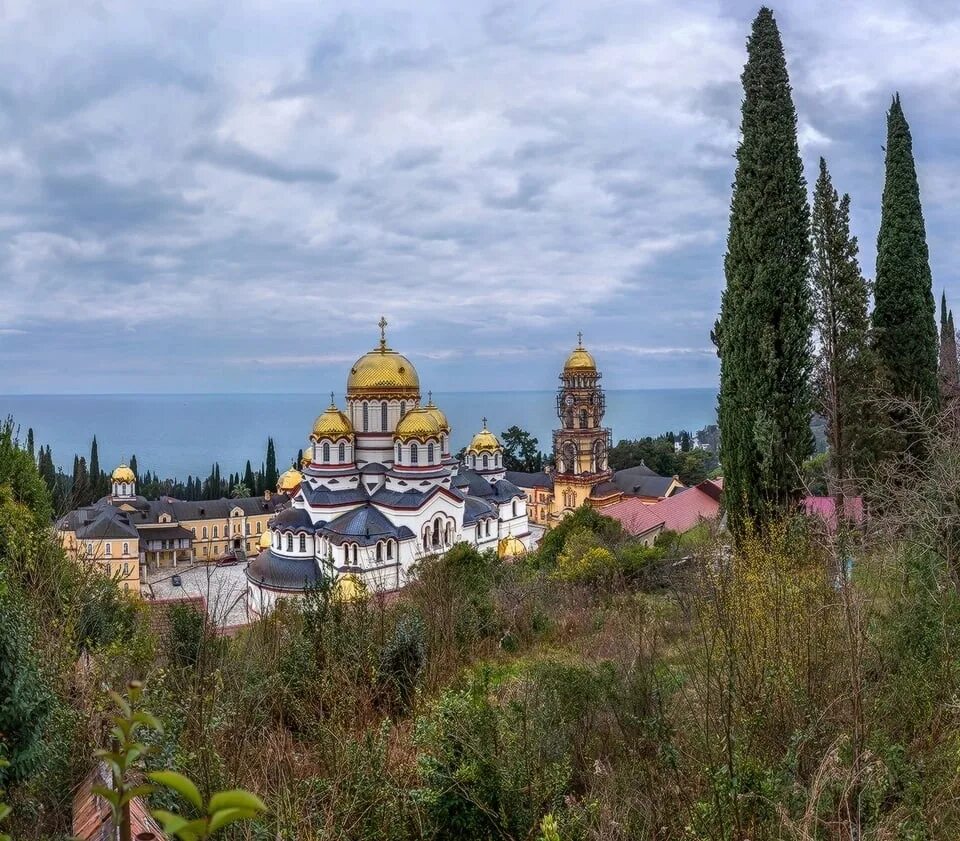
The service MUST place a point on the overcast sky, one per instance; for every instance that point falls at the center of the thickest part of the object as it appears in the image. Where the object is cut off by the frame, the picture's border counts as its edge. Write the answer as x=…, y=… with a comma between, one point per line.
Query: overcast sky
x=209, y=196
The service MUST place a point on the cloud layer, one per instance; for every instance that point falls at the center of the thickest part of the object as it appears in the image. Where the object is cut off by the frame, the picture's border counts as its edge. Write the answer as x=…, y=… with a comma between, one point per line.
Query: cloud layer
x=210, y=197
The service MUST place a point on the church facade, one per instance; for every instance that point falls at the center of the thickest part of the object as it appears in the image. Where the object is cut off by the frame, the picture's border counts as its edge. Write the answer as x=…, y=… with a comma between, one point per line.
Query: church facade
x=379, y=489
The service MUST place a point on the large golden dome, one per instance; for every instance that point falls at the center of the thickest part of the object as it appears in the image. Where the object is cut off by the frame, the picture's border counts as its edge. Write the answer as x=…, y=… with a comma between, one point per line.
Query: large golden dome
x=289, y=481
x=383, y=373
x=307, y=457
x=265, y=540
x=484, y=441
x=123, y=474
x=511, y=547
x=332, y=424
x=418, y=424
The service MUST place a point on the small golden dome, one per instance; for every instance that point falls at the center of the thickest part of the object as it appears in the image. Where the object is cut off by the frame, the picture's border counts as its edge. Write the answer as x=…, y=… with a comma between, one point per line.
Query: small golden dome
x=289, y=481
x=511, y=547
x=580, y=360
x=307, y=457
x=332, y=424
x=484, y=441
x=383, y=373
x=442, y=423
x=349, y=588
x=265, y=540
x=419, y=423
x=123, y=474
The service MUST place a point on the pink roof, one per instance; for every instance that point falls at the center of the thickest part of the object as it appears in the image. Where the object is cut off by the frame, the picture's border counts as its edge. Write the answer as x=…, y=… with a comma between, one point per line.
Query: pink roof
x=679, y=513
x=825, y=507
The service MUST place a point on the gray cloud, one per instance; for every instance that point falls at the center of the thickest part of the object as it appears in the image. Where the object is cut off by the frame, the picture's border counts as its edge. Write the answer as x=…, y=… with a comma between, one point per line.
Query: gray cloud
x=200, y=197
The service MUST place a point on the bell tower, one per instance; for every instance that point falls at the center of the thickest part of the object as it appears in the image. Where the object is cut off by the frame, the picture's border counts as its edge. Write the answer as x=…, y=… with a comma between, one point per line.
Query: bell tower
x=581, y=444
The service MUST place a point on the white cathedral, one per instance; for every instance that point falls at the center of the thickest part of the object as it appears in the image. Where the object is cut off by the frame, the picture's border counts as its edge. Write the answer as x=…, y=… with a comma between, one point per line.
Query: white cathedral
x=378, y=489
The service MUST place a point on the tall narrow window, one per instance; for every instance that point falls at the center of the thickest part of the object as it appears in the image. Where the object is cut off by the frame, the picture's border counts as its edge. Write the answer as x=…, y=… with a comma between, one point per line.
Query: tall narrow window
x=326, y=451
x=366, y=418
x=389, y=550
x=289, y=542
x=399, y=453
x=430, y=453
x=414, y=454
x=583, y=418
x=342, y=452
x=403, y=408
x=383, y=416
x=346, y=554
x=126, y=548
x=108, y=549
x=204, y=532
x=514, y=508
x=303, y=543
x=259, y=527
x=486, y=461
x=379, y=551
x=354, y=553
x=216, y=531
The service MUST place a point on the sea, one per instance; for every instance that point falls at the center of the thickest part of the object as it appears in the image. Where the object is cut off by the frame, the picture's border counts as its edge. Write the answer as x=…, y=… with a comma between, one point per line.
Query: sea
x=178, y=435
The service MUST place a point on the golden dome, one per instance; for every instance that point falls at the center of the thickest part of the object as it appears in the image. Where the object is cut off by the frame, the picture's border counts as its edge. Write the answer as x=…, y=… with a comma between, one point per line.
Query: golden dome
x=442, y=423
x=332, y=424
x=349, y=588
x=307, y=457
x=580, y=360
x=383, y=373
x=265, y=540
x=419, y=423
x=511, y=547
x=123, y=474
x=289, y=481
x=484, y=441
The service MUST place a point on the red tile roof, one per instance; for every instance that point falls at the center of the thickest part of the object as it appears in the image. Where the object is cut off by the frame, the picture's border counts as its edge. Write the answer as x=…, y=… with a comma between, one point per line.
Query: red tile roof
x=825, y=507
x=679, y=513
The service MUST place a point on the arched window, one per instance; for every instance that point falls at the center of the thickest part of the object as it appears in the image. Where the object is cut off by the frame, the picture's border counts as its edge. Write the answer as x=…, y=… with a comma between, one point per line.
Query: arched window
x=126, y=548
x=289, y=542
x=303, y=543
x=514, y=508
x=326, y=451
x=346, y=554
x=379, y=551
x=366, y=418
x=486, y=461
x=354, y=553
x=383, y=416
x=414, y=454
x=259, y=527
x=489, y=524
x=403, y=408
x=279, y=538
x=204, y=531
x=342, y=452
x=583, y=418
x=430, y=453
x=389, y=550
x=216, y=532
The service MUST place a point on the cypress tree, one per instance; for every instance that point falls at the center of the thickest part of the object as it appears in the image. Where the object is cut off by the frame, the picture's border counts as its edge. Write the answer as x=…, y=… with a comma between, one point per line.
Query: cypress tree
x=948, y=367
x=248, y=479
x=763, y=333
x=96, y=479
x=133, y=466
x=844, y=365
x=904, y=314
x=271, y=475
x=30, y=444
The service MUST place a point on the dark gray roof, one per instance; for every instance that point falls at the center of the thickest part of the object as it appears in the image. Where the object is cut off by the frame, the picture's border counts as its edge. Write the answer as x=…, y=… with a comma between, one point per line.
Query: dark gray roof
x=372, y=467
x=294, y=574
x=364, y=525
x=166, y=533
x=400, y=499
x=109, y=522
x=325, y=496
x=604, y=489
x=293, y=519
x=476, y=509
x=530, y=480
x=505, y=490
x=642, y=481
x=473, y=483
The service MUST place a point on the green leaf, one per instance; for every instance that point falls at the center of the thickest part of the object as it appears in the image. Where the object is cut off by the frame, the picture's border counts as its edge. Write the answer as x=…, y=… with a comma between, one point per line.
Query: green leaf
x=4, y=810
x=171, y=823
x=179, y=783
x=236, y=799
x=218, y=820
x=107, y=794
x=148, y=720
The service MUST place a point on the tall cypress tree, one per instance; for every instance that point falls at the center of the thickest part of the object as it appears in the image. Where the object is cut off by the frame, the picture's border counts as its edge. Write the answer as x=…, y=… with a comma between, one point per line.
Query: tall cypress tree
x=904, y=313
x=845, y=366
x=30, y=444
x=96, y=478
x=271, y=475
x=248, y=479
x=948, y=366
x=763, y=333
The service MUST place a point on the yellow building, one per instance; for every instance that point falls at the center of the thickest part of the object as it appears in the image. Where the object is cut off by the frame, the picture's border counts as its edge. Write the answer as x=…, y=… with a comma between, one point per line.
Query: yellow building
x=123, y=531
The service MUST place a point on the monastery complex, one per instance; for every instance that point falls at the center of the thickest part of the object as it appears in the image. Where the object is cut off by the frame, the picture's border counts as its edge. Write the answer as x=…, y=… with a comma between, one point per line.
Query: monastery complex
x=377, y=490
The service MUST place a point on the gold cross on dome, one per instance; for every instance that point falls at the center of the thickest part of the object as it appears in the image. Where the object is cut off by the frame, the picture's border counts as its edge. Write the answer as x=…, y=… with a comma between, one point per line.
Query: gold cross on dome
x=484, y=423
x=580, y=338
x=382, y=324
x=332, y=401
x=430, y=398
